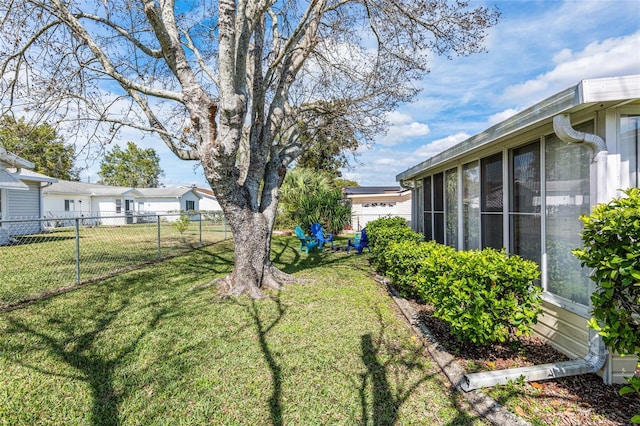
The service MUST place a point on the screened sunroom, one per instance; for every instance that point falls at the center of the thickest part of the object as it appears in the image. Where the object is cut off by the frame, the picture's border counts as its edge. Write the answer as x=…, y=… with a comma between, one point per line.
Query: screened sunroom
x=523, y=184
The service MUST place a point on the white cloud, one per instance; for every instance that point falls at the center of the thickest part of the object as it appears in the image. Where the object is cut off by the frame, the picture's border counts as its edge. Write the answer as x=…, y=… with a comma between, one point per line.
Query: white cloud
x=397, y=117
x=607, y=58
x=501, y=116
x=402, y=131
x=437, y=146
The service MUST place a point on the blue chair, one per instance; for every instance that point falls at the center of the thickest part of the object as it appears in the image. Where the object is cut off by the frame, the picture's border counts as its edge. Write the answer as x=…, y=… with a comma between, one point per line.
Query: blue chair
x=360, y=242
x=321, y=237
x=306, y=242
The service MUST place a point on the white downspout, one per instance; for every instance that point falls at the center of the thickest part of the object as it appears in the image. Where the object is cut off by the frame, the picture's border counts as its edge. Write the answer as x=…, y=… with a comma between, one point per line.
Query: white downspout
x=591, y=363
x=597, y=355
x=563, y=129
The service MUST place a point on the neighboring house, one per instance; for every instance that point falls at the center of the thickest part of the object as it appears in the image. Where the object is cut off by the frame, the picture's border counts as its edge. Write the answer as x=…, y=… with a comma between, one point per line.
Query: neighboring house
x=66, y=199
x=523, y=183
x=20, y=195
x=169, y=200
x=208, y=202
x=372, y=202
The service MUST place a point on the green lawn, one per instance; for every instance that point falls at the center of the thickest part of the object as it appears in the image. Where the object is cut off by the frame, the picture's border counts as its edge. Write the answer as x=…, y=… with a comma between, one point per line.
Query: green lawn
x=154, y=346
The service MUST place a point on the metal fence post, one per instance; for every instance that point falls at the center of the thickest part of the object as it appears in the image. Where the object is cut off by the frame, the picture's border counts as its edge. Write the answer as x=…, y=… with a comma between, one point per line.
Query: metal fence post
x=159, y=250
x=200, y=226
x=77, y=250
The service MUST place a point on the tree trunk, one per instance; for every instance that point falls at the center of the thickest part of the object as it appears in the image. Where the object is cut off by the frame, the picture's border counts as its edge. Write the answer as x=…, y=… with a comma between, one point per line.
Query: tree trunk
x=253, y=270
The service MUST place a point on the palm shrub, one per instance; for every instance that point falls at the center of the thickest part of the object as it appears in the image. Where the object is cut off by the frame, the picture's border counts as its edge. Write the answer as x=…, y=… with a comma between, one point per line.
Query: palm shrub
x=308, y=196
x=611, y=238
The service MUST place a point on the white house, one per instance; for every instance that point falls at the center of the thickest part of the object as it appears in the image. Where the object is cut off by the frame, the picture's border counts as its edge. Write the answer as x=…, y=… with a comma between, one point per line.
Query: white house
x=522, y=184
x=20, y=195
x=116, y=205
x=67, y=199
x=208, y=202
x=373, y=202
x=169, y=200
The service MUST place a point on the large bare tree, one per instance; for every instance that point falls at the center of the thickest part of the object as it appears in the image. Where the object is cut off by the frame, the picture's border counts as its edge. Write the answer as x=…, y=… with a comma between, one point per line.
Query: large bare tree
x=232, y=83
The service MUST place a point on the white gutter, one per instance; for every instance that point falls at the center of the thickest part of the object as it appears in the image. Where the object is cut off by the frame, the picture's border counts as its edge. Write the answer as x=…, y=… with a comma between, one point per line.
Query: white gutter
x=597, y=355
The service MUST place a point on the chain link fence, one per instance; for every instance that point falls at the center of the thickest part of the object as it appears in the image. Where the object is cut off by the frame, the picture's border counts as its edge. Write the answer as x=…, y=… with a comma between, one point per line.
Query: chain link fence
x=40, y=256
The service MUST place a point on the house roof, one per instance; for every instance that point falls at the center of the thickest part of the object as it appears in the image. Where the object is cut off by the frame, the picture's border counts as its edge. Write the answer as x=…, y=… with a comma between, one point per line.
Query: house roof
x=371, y=190
x=9, y=180
x=588, y=92
x=98, y=190
x=13, y=177
x=24, y=174
x=205, y=192
x=167, y=192
x=90, y=189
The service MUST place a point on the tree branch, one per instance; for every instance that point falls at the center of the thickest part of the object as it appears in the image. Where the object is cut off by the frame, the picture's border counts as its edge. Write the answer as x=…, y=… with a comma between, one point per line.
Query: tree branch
x=154, y=53
x=109, y=69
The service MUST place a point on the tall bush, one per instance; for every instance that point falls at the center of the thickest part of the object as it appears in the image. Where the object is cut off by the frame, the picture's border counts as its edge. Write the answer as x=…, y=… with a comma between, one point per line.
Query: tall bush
x=611, y=238
x=415, y=267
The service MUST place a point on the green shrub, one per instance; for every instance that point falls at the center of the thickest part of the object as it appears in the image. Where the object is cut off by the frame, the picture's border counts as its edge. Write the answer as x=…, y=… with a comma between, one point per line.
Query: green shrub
x=441, y=260
x=415, y=267
x=488, y=295
x=384, y=231
x=611, y=238
x=182, y=223
x=485, y=296
x=388, y=222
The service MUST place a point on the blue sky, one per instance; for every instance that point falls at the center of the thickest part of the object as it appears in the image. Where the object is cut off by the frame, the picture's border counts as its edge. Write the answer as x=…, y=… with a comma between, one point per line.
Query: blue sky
x=538, y=48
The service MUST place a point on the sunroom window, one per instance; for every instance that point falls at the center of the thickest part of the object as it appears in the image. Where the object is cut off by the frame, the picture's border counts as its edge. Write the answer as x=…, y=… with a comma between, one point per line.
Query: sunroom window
x=524, y=208
x=629, y=146
x=451, y=197
x=566, y=198
x=492, y=204
x=471, y=205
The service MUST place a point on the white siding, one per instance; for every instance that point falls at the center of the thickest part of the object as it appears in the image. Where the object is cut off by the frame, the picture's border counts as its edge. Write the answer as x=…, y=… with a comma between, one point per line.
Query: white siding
x=24, y=204
x=191, y=197
x=404, y=208
x=162, y=205
x=209, y=204
x=53, y=205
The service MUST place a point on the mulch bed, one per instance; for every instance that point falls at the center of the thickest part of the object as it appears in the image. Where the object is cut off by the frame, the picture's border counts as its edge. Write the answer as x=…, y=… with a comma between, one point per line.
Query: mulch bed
x=577, y=400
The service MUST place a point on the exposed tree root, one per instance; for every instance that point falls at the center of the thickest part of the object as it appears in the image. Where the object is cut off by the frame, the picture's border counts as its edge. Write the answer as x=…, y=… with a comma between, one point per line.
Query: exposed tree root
x=273, y=279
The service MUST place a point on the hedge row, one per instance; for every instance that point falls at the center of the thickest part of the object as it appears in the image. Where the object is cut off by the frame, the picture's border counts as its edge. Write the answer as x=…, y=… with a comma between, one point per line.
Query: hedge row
x=484, y=295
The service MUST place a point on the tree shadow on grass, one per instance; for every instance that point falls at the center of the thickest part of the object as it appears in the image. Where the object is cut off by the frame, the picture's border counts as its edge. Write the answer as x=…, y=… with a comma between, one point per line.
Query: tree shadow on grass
x=383, y=357
x=83, y=350
x=263, y=328
x=387, y=382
